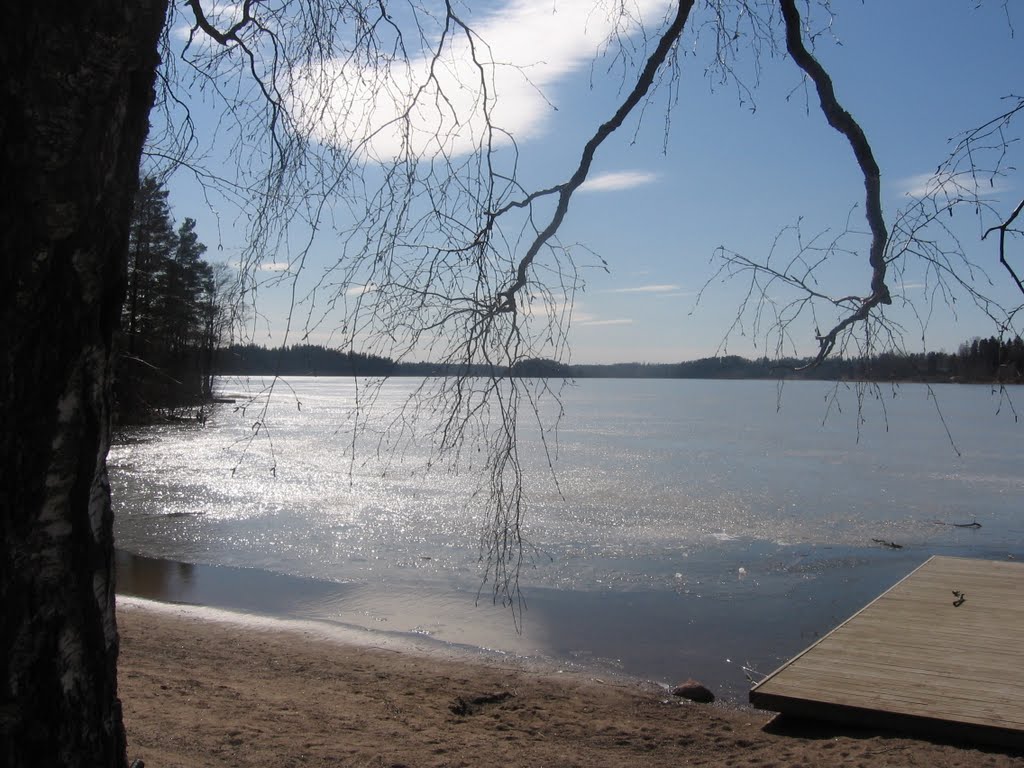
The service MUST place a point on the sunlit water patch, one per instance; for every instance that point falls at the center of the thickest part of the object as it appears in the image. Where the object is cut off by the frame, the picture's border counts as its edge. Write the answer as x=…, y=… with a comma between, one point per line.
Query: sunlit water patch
x=690, y=528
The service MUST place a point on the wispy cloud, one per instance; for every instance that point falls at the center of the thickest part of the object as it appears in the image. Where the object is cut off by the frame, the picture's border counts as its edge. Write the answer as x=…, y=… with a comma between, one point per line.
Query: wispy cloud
x=581, y=317
x=618, y=180
x=361, y=290
x=953, y=185
x=274, y=266
x=660, y=288
x=522, y=49
x=553, y=307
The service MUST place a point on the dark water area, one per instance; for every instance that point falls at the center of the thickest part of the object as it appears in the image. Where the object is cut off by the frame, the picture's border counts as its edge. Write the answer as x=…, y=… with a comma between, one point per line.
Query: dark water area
x=249, y=590
x=727, y=637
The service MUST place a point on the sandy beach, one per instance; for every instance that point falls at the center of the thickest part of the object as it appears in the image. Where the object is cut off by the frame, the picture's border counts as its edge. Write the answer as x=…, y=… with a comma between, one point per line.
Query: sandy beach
x=206, y=689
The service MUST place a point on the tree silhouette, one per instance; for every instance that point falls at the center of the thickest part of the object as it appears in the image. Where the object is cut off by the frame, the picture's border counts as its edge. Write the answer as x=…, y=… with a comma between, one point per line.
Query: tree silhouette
x=151, y=245
x=173, y=318
x=391, y=115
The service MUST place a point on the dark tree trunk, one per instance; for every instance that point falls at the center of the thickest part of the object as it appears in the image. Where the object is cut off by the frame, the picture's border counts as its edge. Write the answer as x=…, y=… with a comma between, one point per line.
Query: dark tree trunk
x=76, y=86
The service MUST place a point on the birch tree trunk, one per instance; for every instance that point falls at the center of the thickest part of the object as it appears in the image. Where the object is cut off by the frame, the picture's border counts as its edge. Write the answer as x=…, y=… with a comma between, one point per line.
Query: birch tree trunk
x=76, y=87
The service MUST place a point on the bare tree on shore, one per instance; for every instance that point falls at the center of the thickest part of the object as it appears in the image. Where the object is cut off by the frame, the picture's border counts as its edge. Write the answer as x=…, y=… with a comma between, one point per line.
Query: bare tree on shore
x=382, y=125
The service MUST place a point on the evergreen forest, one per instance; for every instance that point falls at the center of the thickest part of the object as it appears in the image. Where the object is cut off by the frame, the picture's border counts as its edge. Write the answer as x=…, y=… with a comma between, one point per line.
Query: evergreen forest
x=175, y=314
x=986, y=361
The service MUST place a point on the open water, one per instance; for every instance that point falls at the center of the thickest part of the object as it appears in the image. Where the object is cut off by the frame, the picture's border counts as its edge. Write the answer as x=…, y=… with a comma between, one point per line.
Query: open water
x=706, y=529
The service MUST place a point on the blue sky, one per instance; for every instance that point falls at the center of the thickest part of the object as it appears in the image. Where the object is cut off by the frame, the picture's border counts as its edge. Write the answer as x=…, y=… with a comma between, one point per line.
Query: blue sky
x=913, y=73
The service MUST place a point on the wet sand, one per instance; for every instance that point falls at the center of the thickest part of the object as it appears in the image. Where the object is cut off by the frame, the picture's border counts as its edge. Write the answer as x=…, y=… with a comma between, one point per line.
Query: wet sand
x=202, y=688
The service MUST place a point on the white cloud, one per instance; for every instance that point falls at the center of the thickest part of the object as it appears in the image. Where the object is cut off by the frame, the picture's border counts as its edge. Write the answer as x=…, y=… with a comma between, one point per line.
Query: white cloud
x=663, y=288
x=361, y=290
x=554, y=306
x=583, y=318
x=609, y=182
x=274, y=266
x=523, y=48
x=926, y=184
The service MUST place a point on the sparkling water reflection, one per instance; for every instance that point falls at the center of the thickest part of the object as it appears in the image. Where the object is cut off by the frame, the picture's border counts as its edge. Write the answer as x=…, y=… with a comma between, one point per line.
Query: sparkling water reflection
x=694, y=522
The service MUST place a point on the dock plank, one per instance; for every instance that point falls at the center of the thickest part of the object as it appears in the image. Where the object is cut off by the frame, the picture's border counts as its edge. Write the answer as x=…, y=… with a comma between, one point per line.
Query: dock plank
x=912, y=659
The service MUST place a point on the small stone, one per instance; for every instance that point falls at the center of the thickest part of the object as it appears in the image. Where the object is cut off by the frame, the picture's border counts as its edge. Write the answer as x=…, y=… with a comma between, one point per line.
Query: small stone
x=694, y=691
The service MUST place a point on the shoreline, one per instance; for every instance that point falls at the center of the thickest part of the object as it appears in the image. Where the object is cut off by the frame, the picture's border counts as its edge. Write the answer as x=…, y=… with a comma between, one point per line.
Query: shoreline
x=333, y=633
x=725, y=636
x=207, y=687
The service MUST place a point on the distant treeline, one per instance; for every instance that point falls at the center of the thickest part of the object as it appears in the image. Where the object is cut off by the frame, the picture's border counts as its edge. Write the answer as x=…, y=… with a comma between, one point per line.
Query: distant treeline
x=980, y=360
x=299, y=360
x=314, y=360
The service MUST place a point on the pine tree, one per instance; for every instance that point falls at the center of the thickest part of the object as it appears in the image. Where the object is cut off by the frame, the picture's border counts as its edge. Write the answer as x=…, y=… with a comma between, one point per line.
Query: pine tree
x=183, y=291
x=171, y=318
x=151, y=246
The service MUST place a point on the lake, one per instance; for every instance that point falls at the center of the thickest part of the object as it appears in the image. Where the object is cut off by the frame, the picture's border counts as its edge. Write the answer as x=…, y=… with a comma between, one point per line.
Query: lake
x=706, y=529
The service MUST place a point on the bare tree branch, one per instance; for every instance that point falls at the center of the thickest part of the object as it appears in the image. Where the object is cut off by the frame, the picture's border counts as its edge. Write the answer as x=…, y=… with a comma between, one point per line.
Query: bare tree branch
x=1003, y=228
x=224, y=38
x=669, y=39
x=844, y=122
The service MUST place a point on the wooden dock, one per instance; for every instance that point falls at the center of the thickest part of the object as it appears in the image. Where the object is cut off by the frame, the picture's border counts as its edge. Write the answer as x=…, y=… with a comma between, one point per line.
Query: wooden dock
x=920, y=659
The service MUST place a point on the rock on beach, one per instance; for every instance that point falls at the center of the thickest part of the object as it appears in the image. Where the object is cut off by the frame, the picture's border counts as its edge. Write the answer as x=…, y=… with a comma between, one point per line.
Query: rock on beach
x=694, y=691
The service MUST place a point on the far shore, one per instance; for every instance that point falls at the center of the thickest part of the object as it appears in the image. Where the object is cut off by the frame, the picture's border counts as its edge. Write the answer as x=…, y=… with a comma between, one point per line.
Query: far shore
x=209, y=688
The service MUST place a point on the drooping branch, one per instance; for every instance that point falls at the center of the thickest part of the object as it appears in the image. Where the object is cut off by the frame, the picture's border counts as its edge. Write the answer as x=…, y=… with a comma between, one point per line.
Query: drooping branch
x=1003, y=229
x=506, y=300
x=990, y=138
x=844, y=122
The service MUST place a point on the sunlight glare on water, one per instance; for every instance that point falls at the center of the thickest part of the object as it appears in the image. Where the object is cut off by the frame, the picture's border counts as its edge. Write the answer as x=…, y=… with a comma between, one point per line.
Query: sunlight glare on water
x=646, y=470
x=682, y=509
